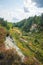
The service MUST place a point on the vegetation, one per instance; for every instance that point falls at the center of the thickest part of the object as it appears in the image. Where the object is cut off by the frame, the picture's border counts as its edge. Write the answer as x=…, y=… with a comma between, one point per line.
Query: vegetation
x=30, y=45
x=28, y=35
x=26, y=25
x=5, y=24
x=2, y=35
x=10, y=56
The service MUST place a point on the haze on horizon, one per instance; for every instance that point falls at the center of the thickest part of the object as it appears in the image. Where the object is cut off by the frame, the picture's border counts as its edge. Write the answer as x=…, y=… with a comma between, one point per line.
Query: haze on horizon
x=16, y=10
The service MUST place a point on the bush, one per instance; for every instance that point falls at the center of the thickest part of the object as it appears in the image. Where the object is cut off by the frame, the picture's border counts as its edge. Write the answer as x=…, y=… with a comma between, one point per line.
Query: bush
x=39, y=56
x=2, y=35
x=8, y=57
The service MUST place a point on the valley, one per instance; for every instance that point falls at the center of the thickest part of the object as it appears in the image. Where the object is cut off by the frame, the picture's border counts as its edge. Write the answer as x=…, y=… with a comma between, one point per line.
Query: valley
x=21, y=43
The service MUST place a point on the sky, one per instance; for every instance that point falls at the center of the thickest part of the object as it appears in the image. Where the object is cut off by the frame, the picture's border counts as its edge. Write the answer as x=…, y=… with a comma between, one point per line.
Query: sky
x=16, y=10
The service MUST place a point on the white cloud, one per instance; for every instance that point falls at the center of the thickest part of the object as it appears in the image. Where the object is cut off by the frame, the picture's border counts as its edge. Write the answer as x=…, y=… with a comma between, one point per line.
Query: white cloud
x=33, y=10
x=9, y=14
x=19, y=13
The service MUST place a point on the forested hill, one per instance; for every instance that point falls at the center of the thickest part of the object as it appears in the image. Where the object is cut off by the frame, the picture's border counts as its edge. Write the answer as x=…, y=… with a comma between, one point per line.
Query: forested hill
x=5, y=23
x=31, y=24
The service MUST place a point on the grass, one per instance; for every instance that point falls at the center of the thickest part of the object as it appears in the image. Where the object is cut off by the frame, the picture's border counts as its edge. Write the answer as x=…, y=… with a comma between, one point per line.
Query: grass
x=34, y=42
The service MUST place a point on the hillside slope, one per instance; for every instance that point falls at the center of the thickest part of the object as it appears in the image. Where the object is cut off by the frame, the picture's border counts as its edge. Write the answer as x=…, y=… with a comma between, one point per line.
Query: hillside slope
x=26, y=25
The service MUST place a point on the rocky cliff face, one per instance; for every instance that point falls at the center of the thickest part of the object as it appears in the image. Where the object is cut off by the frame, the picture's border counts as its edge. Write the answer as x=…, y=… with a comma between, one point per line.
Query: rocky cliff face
x=34, y=28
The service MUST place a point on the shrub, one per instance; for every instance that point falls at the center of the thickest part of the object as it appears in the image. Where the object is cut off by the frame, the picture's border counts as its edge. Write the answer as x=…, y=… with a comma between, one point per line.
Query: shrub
x=2, y=35
x=8, y=57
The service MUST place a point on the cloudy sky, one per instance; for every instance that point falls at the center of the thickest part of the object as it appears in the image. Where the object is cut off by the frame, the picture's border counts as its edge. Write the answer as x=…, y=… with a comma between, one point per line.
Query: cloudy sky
x=16, y=10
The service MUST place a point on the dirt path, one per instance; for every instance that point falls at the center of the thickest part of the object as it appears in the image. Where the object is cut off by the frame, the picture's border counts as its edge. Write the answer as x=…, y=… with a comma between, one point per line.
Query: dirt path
x=10, y=44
